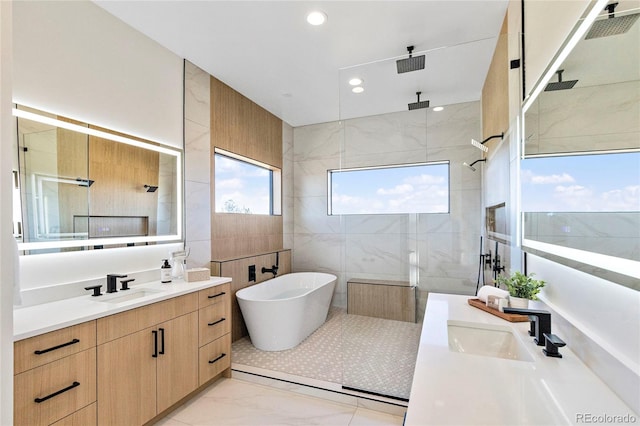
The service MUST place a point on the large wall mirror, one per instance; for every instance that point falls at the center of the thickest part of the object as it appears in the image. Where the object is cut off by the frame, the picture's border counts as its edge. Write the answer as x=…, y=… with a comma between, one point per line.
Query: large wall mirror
x=580, y=166
x=81, y=187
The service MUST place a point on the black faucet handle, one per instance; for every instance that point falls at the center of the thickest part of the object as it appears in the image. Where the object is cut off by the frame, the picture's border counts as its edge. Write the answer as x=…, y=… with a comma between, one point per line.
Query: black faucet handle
x=552, y=343
x=96, y=289
x=125, y=283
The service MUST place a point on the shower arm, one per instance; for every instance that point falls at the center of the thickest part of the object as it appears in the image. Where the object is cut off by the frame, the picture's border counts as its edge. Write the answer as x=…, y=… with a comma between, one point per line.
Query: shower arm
x=501, y=135
x=482, y=159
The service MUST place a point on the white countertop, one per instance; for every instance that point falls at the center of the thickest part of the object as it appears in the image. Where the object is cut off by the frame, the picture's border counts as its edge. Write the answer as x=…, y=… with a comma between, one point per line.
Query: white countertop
x=464, y=389
x=38, y=319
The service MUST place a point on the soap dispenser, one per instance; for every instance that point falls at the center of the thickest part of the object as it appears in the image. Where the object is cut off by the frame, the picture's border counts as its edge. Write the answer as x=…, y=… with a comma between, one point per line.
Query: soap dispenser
x=165, y=271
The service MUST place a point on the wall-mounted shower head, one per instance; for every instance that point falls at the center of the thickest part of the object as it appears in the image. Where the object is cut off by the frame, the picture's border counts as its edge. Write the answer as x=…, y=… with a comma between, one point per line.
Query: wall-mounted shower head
x=420, y=104
x=480, y=145
x=612, y=25
x=560, y=85
x=471, y=165
x=412, y=63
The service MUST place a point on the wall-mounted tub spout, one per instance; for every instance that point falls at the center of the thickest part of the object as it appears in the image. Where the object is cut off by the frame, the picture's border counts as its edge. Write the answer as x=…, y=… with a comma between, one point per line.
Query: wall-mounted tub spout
x=274, y=268
x=471, y=165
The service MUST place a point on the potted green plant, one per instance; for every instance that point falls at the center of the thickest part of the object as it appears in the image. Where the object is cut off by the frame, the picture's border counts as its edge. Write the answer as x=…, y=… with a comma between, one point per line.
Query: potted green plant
x=521, y=287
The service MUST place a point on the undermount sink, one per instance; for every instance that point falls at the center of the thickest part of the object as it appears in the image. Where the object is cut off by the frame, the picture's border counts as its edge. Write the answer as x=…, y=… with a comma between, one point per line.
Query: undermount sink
x=485, y=340
x=126, y=296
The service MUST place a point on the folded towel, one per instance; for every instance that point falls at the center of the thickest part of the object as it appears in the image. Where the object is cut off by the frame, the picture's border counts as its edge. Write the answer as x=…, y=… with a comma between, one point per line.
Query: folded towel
x=488, y=290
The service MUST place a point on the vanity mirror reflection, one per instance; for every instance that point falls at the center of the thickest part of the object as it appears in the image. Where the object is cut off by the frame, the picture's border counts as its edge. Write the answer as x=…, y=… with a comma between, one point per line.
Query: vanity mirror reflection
x=83, y=187
x=579, y=181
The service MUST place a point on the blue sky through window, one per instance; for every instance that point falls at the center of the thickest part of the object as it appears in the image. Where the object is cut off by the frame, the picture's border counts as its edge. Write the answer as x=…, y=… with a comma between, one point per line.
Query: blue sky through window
x=241, y=187
x=420, y=188
x=581, y=183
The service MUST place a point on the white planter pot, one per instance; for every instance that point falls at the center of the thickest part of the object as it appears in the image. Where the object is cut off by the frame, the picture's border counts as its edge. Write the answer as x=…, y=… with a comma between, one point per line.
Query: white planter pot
x=518, y=302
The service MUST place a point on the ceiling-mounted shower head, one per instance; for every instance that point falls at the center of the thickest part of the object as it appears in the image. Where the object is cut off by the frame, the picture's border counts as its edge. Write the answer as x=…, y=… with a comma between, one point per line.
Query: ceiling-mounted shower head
x=560, y=85
x=612, y=25
x=412, y=63
x=420, y=104
x=471, y=165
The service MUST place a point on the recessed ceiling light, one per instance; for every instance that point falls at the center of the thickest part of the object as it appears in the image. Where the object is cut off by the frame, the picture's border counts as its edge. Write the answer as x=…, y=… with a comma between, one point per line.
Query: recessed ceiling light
x=358, y=89
x=355, y=81
x=317, y=18
x=438, y=108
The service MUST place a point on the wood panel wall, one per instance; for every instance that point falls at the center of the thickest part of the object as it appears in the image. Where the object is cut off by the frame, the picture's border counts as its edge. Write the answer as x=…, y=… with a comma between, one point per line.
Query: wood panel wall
x=495, y=92
x=243, y=127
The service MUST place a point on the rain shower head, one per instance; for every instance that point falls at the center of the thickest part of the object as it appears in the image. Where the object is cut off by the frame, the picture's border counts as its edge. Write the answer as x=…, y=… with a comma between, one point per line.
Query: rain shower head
x=612, y=25
x=412, y=63
x=480, y=145
x=420, y=104
x=560, y=85
x=471, y=165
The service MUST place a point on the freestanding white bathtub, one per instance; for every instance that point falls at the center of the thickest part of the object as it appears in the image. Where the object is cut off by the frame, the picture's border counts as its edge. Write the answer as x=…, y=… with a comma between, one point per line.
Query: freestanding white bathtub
x=282, y=312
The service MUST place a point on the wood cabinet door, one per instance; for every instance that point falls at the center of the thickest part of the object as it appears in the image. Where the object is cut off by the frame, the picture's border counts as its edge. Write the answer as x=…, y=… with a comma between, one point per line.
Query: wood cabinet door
x=178, y=362
x=127, y=380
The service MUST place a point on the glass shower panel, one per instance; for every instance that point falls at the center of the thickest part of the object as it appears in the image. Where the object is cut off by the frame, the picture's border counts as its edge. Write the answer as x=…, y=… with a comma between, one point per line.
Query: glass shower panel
x=380, y=256
x=390, y=262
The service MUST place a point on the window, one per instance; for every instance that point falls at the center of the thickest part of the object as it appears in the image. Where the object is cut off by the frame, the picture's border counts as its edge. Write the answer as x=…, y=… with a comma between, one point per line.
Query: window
x=410, y=188
x=243, y=185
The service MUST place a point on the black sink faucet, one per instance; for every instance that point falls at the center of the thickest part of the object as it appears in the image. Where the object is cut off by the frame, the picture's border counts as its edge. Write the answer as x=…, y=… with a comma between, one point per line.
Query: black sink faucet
x=112, y=285
x=540, y=322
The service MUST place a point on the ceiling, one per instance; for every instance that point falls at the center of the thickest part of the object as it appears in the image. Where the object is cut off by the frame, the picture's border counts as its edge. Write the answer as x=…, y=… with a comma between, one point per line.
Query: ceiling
x=268, y=52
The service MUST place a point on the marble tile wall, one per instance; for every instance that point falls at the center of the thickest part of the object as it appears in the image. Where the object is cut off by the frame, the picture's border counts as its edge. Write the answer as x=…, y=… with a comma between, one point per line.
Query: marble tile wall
x=287, y=185
x=438, y=251
x=197, y=165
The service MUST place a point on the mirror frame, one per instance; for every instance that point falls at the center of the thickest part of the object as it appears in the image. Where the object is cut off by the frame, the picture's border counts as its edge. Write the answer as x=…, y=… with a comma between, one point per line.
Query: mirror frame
x=620, y=271
x=108, y=241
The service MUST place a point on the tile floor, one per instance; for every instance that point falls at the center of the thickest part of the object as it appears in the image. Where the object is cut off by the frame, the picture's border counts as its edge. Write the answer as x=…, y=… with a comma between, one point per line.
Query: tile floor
x=371, y=354
x=236, y=402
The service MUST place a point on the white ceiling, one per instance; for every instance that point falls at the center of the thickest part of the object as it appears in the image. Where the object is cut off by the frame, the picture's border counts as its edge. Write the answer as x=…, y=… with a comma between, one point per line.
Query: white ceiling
x=267, y=51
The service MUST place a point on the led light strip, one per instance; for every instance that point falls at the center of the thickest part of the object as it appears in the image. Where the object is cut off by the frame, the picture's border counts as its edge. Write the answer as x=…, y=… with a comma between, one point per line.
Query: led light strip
x=566, y=49
x=627, y=267
x=93, y=132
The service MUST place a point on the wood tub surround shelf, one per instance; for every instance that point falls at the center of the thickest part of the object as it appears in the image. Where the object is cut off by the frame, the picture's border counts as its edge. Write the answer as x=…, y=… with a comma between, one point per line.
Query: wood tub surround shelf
x=125, y=368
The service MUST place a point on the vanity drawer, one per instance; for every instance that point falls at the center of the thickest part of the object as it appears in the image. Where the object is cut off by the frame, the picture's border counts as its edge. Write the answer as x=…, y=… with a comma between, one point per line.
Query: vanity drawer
x=45, y=348
x=131, y=321
x=88, y=416
x=214, y=295
x=215, y=322
x=215, y=358
x=50, y=392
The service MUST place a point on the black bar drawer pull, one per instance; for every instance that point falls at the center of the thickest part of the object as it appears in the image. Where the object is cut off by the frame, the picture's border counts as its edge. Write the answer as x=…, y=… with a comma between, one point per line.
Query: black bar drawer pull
x=155, y=344
x=216, y=295
x=44, y=351
x=161, y=341
x=217, y=359
x=43, y=399
x=216, y=322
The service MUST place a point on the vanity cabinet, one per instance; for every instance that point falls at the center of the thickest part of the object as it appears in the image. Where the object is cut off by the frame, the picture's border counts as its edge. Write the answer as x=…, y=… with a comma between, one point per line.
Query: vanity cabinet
x=148, y=360
x=55, y=376
x=214, y=331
